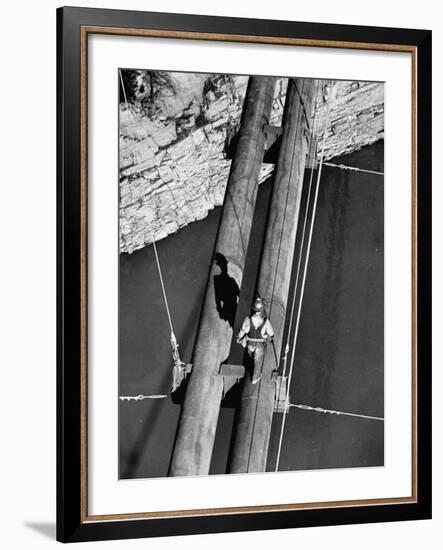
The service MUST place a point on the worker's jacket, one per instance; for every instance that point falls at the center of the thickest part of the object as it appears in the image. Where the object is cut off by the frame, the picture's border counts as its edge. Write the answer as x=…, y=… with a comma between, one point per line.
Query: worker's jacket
x=261, y=333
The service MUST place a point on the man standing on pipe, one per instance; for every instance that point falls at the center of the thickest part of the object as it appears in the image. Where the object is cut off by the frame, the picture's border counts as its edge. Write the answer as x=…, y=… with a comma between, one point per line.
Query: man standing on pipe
x=256, y=331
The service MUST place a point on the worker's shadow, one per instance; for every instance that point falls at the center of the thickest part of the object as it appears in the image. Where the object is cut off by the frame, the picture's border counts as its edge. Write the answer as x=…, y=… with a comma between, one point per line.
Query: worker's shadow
x=226, y=291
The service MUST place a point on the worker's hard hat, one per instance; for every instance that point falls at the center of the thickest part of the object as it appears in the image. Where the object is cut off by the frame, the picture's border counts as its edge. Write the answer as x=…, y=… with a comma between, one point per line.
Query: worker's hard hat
x=257, y=305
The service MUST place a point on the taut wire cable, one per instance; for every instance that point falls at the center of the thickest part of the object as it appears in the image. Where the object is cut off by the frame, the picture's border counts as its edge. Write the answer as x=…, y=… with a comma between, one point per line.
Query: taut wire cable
x=338, y=413
x=353, y=168
x=311, y=228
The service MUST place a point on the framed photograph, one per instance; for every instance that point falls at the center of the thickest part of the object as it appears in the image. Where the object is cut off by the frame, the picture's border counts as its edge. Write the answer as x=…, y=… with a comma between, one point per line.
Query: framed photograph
x=244, y=303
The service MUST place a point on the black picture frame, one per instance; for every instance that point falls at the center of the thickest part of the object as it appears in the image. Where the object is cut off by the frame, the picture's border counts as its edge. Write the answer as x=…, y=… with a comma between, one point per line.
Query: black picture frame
x=72, y=523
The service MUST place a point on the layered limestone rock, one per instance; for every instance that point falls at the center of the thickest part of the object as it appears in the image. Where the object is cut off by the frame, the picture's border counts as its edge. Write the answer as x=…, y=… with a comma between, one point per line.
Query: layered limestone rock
x=356, y=117
x=173, y=168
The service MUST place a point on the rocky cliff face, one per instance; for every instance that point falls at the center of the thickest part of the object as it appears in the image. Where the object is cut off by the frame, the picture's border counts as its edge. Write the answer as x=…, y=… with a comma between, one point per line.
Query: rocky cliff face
x=172, y=164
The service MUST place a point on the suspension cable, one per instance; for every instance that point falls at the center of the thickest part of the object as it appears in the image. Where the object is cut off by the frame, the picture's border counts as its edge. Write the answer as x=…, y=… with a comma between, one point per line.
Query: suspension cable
x=339, y=413
x=273, y=286
x=299, y=258
x=294, y=298
x=353, y=168
x=311, y=228
x=142, y=397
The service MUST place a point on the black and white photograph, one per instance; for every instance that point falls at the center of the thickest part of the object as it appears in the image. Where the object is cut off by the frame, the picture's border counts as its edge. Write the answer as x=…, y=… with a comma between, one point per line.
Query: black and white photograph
x=251, y=274
x=217, y=281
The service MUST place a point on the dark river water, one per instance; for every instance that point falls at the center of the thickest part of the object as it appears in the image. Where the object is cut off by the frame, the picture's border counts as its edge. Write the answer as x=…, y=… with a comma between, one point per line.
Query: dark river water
x=339, y=353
